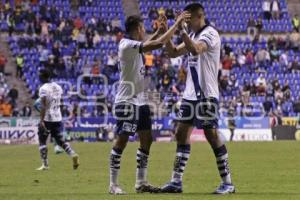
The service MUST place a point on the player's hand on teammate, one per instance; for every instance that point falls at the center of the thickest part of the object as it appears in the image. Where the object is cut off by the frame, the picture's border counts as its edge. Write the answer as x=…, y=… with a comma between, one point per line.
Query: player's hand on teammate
x=182, y=18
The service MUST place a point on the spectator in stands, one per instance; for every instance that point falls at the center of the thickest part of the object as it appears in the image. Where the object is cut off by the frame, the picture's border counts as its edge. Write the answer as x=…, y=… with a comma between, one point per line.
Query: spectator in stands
x=30, y=20
x=224, y=82
x=296, y=22
x=13, y=94
x=251, y=26
x=249, y=57
x=96, y=39
x=275, y=54
x=149, y=61
x=259, y=25
x=241, y=58
x=181, y=74
x=294, y=40
x=6, y=109
x=81, y=39
x=226, y=65
x=266, y=6
x=112, y=60
x=278, y=95
x=286, y=90
x=262, y=57
x=294, y=65
x=10, y=20
x=153, y=13
x=170, y=13
x=116, y=25
x=261, y=85
x=283, y=59
x=78, y=23
x=233, y=82
x=3, y=62
x=296, y=106
x=275, y=9
x=246, y=89
x=268, y=105
x=26, y=110
x=20, y=64
x=161, y=11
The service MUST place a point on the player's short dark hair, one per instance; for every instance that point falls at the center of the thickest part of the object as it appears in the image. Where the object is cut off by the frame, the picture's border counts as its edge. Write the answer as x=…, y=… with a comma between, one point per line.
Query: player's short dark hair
x=132, y=22
x=45, y=74
x=194, y=7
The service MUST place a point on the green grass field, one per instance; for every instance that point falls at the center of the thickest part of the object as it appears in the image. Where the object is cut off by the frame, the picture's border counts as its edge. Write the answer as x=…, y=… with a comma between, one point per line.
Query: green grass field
x=260, y=171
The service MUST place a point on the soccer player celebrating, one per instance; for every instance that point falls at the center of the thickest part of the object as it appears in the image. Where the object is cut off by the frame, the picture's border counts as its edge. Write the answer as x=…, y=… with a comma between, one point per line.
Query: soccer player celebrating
x=50, y=94
x=200, y=99
x=131, y=109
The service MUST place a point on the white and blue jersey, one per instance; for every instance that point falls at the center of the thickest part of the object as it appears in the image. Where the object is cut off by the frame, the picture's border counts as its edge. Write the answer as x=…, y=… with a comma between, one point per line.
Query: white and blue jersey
x=200, y=98
x=202, y=75
x=53, y=94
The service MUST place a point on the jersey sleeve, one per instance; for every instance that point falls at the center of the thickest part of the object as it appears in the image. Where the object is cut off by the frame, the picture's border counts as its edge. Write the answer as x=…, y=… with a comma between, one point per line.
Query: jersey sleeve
x=210, y=37
x=42, y=92
x=132, y=45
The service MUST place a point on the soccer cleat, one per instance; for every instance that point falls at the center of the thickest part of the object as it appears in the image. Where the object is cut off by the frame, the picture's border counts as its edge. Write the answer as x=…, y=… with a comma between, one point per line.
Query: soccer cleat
x=171, y=187
x=58, y=149
x=116, y=190
x=75, y=159
x=225, y=189
x=147, y=188
x=43, y=168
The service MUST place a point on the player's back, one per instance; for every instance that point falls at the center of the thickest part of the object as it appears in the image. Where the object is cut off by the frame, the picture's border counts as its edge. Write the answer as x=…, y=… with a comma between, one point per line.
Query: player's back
x=53, y=94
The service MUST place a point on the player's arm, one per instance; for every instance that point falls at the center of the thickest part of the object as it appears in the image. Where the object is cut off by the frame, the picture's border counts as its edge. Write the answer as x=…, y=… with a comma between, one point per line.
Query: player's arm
x=195, y=48
x=174, y=51
x=43, y=109
x=158, y=43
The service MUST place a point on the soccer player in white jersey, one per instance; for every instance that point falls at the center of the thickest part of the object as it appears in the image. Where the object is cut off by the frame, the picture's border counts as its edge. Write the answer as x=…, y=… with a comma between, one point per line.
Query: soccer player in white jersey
x=50, y=94
x=200, y=99
x=131, y=109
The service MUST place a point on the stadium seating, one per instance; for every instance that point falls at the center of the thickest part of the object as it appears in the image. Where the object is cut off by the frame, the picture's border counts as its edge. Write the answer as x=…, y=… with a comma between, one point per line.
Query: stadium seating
x=228, y=16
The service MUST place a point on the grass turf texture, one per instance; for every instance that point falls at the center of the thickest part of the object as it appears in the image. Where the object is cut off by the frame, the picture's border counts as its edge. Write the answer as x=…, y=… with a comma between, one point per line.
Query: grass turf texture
x=260, y=171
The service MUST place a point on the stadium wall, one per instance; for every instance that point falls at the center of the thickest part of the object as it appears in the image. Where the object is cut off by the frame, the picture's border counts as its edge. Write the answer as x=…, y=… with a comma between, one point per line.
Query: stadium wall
x=24, y=130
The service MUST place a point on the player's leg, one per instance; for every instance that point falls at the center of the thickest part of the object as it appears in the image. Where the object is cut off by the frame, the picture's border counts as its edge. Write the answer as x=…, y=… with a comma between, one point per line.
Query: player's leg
x=142, y=155
x=43, y=136
x=57, y=148
x=209, y=123
x=186, y=116
x=182, y=134
x=126, y=126
x=56, y=132
x=115, y=163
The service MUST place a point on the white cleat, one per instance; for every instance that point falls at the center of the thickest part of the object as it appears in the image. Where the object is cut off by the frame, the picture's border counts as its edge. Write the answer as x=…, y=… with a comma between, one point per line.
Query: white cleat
x=43, y=168
x=116, y=190
x=225, y=189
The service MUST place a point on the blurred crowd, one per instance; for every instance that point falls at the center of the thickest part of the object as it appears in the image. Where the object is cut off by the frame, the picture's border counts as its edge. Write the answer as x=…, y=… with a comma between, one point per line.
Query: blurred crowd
x=69, y=46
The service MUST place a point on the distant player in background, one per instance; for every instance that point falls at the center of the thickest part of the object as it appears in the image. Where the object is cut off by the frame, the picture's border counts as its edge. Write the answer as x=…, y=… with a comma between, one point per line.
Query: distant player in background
x=200, y=99
x=131, y=109
x=57, y=148
x=50, y=94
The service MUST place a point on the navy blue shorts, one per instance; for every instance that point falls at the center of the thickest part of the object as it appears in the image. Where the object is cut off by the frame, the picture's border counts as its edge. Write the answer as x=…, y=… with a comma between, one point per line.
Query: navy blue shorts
x=131, y=118
x=204, y=114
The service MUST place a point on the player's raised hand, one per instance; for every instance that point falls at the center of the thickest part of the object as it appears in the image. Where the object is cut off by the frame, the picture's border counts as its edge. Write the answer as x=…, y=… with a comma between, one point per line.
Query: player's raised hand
x=185, y=16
